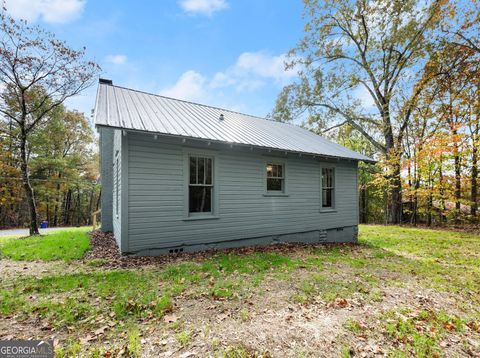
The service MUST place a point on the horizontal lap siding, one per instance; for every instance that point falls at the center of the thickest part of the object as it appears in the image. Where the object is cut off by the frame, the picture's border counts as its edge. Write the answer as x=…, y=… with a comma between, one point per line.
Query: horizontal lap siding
x=156, y=197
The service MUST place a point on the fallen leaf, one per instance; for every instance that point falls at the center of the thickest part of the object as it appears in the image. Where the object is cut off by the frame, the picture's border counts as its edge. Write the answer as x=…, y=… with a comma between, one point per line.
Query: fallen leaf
x=341, y=302
x=100, y=331
x=188, y=354
x=449, y=326
x=170, y=318
x=87, y=339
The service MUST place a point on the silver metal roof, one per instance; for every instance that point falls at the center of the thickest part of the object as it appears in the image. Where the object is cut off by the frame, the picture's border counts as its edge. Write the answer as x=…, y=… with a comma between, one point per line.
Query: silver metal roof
x=129, y=109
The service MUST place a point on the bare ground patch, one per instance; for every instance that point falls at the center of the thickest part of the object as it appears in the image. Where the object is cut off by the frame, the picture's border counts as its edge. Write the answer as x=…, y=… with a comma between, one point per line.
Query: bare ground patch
x=321, y=301
x=274, y=326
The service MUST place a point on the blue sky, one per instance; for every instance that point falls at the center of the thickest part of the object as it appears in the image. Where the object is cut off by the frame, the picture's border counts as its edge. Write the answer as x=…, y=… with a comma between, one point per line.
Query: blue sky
x=227, y=53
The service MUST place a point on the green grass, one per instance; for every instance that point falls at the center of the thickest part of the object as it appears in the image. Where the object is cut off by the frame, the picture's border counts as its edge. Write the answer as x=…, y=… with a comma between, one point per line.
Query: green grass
x=134, y=297
x=445, y=260
x=419, y=333
x=452, y=247
x=69, y=244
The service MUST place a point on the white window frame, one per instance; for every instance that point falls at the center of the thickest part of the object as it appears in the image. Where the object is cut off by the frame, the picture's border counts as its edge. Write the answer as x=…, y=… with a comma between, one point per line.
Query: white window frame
x=213, y=214
x=275, y=161
x=334, y=188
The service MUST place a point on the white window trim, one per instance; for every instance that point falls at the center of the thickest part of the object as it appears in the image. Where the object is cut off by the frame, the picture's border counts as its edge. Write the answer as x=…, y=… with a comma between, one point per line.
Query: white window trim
x=278, y=161
x=193, y=152
x=332, y=208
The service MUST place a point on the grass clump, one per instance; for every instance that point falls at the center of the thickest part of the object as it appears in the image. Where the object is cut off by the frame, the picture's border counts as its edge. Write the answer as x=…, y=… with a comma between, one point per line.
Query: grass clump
x=353, y=326
x=420, y=332
x=134, y=347
x=328, y=288
x=64, y=245
x=184, y=338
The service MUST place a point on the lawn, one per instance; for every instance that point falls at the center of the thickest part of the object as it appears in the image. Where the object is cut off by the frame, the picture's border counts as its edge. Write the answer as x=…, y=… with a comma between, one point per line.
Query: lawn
x=400, y=292
x=70, y=244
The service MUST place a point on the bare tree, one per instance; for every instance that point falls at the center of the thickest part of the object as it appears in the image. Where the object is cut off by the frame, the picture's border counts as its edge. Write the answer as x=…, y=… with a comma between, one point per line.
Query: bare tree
x=38, y=73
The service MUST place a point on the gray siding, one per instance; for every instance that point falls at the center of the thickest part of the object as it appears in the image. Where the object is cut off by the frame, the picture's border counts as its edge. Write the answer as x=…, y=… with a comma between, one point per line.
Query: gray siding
x=156, y=197
x=106, y=177
x=117, y=187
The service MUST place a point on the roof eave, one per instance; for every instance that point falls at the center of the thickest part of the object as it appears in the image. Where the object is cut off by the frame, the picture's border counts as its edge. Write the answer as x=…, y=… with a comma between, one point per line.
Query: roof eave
x=366, y=160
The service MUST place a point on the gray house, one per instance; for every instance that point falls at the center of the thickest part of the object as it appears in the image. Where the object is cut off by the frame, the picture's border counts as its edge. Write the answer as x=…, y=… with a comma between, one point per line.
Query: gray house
x=180, y=176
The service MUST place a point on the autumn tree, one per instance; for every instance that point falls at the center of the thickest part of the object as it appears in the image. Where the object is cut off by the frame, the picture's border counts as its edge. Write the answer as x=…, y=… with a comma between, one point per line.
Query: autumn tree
x=63, y=150
x=462, y=27
x=376, y=48
x=37, y=74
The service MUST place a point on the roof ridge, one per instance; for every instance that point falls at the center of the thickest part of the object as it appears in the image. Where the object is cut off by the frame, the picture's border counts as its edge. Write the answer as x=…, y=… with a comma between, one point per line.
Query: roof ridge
x=196, y=103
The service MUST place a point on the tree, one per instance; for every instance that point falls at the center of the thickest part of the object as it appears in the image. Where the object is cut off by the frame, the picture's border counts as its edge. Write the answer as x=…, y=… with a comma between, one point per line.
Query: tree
x=62, y=149
x=370, y=206
x=376, y=48
x=464, y=30
x=38, y=73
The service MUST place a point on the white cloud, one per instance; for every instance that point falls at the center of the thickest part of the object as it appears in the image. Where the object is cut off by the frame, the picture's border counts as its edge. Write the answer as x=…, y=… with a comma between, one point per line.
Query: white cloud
x=264, y=65
x=203, y=7
x=252, y=70
x=190, y=86
x=51, y=11
x=116, y=59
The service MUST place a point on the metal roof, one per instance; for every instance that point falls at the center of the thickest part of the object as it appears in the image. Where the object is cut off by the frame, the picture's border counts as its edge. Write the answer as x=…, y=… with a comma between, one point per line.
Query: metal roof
x=130, y=109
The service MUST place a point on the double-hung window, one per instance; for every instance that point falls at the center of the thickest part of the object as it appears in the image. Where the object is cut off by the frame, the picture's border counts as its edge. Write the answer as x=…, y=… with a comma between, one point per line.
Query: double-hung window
x=275, y=177
x=328, y=188
x=200, y=188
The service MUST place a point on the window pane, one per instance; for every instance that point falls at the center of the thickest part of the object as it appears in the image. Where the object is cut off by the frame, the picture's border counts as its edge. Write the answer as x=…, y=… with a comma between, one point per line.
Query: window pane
x=274, y=171
x=279, y=170
x=208, y=171
x=193, y=170
x=327, y=178
x=274, y=184
x=327, y=198
x=269, y=170
x=201, y=171
x=200, y=199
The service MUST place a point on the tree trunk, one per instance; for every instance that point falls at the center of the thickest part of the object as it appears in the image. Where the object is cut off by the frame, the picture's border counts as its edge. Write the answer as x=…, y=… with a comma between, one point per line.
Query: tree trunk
x=458, y=182
x=79, y=207
x=57, y=201
x=416, y=187
x=429, y=208
x=363, y=205
x=27, y=186
x=99, y=198
x=395, y=199
x=442, y=191
x=474, y=189
x=90, y=207
x=409, y=176
x=66, y=210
